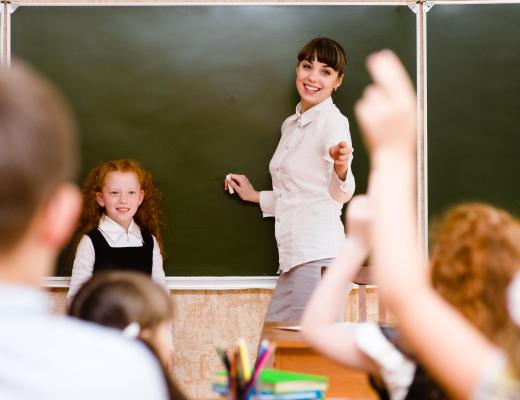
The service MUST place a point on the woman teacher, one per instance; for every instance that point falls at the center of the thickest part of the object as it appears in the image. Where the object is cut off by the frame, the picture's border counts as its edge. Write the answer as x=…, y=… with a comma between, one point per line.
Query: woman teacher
x=311, y=177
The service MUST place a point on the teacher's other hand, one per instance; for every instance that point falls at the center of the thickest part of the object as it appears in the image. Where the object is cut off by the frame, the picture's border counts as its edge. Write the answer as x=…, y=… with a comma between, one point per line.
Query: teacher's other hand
x=242, y=187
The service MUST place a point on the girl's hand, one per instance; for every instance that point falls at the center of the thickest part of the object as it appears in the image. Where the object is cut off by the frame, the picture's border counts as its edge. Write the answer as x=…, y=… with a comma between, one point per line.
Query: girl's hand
x=387, y=110
x=340, y=154
x=358, y=221
x=243, y=187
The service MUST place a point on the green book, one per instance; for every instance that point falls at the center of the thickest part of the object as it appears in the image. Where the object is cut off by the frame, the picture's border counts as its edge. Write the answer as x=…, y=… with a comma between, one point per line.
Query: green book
x=278, y=381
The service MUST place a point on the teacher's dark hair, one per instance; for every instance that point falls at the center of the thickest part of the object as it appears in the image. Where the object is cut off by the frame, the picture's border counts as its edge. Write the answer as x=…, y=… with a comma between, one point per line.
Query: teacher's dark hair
x=326, y=51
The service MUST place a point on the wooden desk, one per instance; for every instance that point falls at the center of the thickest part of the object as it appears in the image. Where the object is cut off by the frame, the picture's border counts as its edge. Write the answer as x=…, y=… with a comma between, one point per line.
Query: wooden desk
x=294, y=354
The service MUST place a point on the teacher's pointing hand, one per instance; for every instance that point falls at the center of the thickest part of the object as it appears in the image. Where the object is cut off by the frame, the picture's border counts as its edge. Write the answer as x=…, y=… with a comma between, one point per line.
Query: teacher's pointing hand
x=340, y=154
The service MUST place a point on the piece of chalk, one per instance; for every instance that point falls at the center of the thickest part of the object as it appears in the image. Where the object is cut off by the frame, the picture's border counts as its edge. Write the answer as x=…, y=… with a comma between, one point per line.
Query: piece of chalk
x=230, y=189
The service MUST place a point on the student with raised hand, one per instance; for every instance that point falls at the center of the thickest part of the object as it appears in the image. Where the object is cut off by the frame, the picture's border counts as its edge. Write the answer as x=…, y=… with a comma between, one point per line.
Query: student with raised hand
x=376, y=350
x=44, y=356
x=312, y=179
x=475, y=256
x=466, y=362
x=120, y=227
x=133, y=303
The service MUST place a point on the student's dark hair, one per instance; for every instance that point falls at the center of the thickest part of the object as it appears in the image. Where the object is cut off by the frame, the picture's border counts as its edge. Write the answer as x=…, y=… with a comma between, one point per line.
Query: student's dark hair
x=37, y=148
x=326, y=51
x=117, y=298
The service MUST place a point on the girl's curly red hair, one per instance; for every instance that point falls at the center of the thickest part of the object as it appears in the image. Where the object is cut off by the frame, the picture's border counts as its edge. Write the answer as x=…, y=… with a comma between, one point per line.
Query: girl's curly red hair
x=475, y=257
x=149, y=213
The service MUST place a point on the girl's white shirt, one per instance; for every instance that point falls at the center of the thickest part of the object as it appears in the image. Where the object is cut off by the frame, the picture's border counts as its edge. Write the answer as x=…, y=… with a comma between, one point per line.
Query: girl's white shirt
x=116, y=236
x=307, y=195
x=395, y=369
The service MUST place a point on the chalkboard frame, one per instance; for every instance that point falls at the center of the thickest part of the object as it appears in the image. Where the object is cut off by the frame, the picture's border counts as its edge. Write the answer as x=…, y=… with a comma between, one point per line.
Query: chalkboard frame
x=420, y=10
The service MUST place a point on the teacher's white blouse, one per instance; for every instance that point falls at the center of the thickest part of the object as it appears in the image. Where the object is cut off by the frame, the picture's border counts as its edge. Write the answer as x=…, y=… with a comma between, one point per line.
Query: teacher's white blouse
x=307, y=195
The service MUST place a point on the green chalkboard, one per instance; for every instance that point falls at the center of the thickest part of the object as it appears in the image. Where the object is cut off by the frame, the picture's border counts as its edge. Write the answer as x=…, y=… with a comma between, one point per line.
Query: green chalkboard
x=474, y=105
x=196, y=92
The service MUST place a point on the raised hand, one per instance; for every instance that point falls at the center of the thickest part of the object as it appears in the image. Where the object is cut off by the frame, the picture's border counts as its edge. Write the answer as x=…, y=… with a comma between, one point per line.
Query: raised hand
x=387, y=110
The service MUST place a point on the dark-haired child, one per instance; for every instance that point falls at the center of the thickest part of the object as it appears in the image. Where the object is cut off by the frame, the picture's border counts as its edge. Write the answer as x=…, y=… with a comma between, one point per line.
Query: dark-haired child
x=133, y=303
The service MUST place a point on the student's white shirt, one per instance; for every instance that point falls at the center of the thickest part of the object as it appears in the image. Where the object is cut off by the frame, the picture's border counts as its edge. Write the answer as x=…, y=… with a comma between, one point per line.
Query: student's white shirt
x=396, y=370
x=60, y=358
x=498, y=380
x=116, y=236
x=307, y=195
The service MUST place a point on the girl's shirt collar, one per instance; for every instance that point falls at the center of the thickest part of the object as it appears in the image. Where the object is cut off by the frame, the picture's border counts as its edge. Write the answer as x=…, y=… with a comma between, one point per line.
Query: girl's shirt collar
x=115, y=231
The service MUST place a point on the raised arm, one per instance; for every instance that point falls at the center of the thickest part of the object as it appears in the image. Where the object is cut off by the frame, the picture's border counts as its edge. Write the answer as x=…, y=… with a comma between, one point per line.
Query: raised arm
x=448, y=346
x=320, y=315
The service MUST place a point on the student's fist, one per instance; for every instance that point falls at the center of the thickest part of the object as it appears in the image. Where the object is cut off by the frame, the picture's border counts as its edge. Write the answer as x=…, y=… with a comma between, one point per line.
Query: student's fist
x=341, y=153
x=387, y=110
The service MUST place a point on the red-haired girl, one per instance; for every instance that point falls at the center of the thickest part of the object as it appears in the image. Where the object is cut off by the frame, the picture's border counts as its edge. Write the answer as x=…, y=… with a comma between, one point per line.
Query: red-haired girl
x=120, y=225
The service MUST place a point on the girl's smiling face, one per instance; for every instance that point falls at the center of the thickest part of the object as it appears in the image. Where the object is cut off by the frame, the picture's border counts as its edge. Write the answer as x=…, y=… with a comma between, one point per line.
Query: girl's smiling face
x=121, y=196
x=315, y=81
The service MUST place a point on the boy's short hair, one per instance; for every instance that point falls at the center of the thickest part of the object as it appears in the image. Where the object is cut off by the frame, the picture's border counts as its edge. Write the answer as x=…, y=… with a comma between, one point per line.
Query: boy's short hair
x=37, y=148
x=326, y=51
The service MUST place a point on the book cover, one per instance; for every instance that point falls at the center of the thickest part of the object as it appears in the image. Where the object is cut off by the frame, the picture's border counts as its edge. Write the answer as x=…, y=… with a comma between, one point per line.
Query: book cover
x=278, y=381
x=313, y=395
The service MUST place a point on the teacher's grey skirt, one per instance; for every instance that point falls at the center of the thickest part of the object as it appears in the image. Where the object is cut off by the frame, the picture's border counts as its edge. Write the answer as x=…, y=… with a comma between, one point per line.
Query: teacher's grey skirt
x=293, y=290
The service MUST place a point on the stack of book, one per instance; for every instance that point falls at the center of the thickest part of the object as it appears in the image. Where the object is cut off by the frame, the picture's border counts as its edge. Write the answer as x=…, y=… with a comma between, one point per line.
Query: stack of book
x=273, y=384
x=287, y=385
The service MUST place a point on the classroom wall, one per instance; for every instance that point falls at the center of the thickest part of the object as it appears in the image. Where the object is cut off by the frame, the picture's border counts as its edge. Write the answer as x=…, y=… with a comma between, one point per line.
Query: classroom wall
x=208, y=318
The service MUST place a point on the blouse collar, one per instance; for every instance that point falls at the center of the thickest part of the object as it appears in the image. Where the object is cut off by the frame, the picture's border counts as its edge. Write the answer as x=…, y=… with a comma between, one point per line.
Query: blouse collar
x=114, y=231
x=307, y=116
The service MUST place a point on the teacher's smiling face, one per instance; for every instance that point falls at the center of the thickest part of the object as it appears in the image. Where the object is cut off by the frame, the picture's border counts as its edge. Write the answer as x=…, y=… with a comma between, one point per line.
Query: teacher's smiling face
x=315, y=81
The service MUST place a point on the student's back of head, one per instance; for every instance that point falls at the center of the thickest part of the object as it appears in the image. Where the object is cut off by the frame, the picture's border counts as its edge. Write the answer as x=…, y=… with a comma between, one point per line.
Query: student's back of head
x=475, y=257
x=43, y=356
x=118, y=298
x=132, y=302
